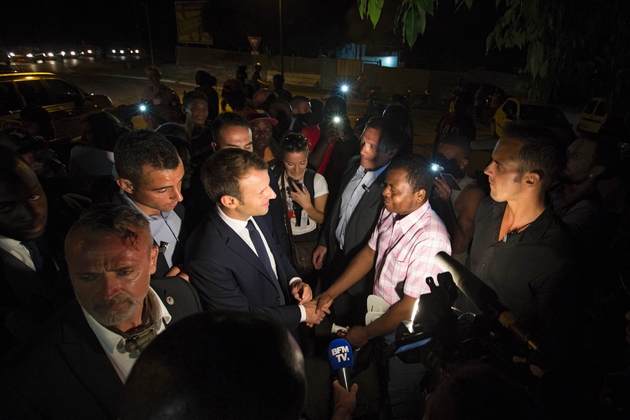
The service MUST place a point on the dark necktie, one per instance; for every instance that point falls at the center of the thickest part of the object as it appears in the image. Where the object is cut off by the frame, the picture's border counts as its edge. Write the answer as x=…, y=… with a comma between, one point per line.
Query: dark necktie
x=44, y=264
x=263, y=256
x=36, y=255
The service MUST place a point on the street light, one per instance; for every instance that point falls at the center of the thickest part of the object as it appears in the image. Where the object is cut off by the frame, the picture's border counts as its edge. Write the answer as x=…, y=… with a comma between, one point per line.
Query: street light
x=281, y=54
x=146, y=8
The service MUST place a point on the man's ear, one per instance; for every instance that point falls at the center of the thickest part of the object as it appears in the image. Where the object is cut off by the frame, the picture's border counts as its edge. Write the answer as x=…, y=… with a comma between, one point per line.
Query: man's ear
x=125, y=185
x=463, y=163
x=421, y=195
x=214, y=146
x=228, y=201
x=153, y=259
x=532, y=179
x=392, y=153
x=596, y=171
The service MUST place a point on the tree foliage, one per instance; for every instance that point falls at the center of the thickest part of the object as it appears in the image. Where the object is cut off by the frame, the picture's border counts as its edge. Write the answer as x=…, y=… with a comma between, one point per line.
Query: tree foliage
x=583, y=41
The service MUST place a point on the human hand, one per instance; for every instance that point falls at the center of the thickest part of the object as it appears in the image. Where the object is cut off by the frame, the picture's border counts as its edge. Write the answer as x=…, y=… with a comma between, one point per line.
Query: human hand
x=323, y=301
x=318, y=256
x=357, y=336
x=314, y=315
x=301, y=196
x=301, y=291
x=345, y=402
x=177, y=271
x=441, y=190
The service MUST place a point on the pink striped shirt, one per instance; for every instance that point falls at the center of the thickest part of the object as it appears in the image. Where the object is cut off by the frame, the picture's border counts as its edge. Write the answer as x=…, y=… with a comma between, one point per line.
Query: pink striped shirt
x=405, y=251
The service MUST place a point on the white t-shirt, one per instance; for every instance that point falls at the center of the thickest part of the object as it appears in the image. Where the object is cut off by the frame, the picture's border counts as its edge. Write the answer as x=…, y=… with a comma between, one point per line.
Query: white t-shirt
x=306, y=223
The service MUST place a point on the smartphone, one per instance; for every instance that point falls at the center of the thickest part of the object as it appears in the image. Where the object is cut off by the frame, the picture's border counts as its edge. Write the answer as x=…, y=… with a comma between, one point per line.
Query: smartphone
x=290, y=181
x=450, y=181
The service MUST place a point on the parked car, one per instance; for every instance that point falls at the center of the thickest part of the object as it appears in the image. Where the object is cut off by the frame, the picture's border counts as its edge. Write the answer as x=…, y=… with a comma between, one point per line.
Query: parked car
x=65, y=102
x=523, y=109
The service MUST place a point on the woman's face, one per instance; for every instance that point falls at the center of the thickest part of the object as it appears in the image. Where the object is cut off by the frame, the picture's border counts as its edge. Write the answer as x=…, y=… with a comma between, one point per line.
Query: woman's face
x=295, y=164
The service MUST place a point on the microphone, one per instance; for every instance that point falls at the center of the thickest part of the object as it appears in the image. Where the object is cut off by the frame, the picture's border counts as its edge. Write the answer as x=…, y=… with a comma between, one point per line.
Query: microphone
x=484, y=298
x=341, y=359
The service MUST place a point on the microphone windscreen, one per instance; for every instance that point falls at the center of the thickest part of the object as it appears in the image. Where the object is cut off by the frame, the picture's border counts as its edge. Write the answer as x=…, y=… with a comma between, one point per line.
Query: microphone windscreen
x=340, y=354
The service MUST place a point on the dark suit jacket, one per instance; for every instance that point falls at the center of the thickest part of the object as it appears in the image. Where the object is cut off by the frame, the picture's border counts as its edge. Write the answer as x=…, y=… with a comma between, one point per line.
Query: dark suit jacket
x=112, y=195
x=65, y=373
x=362, y=221
x=228, y=275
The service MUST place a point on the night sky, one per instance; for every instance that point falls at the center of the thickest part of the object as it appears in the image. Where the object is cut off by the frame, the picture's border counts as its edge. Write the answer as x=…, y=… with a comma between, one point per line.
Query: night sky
x=454, y=39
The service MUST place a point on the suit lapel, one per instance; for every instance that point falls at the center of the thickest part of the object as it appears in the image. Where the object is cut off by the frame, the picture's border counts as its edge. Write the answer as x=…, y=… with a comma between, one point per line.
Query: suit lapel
x=23, y=279
x=236, y=243
x=87, y=359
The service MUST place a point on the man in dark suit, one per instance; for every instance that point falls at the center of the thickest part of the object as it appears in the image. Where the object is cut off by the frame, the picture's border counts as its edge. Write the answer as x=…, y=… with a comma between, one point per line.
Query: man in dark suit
x=77, y=363
x=232, y=258
x=150, y=174
x=33, y=279
x=354, y=215
x=231, y=130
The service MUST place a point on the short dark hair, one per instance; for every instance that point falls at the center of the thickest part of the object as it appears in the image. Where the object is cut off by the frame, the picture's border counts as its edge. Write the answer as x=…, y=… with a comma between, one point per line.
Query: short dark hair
x=391, y=137
x=118, y=220
x=541, y=152
x=335, y=100
x=227, y=119
x=192, y=95
x=143, y=147
x=205, y=366
x=458, y=140
x=222, y=172
x=418, y=168
x=298, y=99
x=155, y=70
x=106, y=129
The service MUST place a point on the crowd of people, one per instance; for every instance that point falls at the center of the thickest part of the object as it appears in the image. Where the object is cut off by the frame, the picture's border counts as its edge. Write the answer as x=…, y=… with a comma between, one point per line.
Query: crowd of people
x=181, y=271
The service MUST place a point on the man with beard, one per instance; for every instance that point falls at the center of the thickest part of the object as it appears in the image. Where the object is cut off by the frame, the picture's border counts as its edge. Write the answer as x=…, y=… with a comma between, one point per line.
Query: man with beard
x=78, y=362
x=456, y=207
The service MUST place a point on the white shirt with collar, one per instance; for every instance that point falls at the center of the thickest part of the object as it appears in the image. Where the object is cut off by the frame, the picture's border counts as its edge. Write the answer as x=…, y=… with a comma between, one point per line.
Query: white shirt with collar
x=240, y=227
x=18, y=250
x=114, y=344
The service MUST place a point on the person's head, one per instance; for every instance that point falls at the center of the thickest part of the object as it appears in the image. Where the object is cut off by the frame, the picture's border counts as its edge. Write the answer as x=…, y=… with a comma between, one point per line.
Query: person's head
x=149, y=170
x=408, y=183
x=294, y=149
x=527, y=159
x=241, y=73
x=335, y=106
x=202, y=77
x=111, y=257
x=397, y=112
x=301, y=105
x=238, y=181
x=278, y=81
x=381, y=140
x=205, y=366
x=38, y=121
x=263, y=98
x=453, y=153
x=231, y=86
x=196, y=107
x=102, y=130
x=590, y=157
x=281, y=111
x=42, y=159
x=257, y=67
x=262, y=130
x=154, y=76
x=23, y=203
x=230, y=130
x=174, y=130
x=462, y=102
x=182, y=144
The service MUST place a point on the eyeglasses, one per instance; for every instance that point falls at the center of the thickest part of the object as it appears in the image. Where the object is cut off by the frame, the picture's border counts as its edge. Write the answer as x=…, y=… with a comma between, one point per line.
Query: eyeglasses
x=294, y=141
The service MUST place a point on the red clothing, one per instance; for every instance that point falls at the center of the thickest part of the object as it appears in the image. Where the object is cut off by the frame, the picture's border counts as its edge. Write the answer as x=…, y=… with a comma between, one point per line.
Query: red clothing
x=312, y=133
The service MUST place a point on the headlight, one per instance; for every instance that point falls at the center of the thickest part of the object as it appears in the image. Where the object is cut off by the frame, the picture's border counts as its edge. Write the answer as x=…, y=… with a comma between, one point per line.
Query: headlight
x=51, y=55
x=137, y=51
x=29, y=55
x=89, y=51
x=122, y=51
x=113, y=51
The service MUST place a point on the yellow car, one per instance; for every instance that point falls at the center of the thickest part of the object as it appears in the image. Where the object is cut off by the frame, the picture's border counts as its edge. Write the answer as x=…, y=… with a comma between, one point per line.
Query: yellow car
x=594, y=115
x=549, y=116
